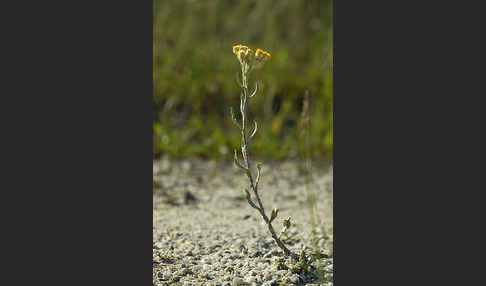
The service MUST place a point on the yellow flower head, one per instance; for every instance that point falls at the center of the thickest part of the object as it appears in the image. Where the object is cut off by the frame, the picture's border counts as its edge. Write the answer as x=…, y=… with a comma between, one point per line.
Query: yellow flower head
x=244, y=55
x=262, y=55
x=236, y=49
x=250, y=59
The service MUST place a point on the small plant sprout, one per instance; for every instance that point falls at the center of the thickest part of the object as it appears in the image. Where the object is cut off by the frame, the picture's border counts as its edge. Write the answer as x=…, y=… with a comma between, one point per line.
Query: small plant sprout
x=286, y=226
x=249, y=60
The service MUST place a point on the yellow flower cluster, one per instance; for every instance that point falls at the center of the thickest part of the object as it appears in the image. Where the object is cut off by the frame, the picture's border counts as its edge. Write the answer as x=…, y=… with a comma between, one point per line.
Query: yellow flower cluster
x=244, y=54
x=240, y=49
x=247, y=58
x=261, y=54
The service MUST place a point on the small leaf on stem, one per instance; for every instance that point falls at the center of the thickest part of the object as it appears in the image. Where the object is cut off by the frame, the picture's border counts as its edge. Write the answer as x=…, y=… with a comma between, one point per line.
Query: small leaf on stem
x=237, y=163
x=255, y=91
x=286, y=222
x=274, y=214
x=233, y=118
x=254, y=130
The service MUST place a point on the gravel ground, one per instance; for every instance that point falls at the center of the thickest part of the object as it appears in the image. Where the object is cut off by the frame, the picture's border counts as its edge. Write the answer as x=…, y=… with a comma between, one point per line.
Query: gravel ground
x=205, y=233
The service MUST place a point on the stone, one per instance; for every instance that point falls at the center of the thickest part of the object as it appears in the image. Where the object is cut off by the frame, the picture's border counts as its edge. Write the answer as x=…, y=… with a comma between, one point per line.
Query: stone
x=196, y=268
x=238, y=282
x=294, y=278
x=281, y=272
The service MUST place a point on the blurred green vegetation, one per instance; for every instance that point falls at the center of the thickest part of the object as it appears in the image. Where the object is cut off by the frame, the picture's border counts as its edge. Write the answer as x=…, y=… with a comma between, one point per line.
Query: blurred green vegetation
x=195, y=76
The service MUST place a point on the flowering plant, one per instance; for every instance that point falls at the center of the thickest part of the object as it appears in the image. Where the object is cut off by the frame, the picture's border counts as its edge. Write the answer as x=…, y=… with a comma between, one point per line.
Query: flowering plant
x=249, y=60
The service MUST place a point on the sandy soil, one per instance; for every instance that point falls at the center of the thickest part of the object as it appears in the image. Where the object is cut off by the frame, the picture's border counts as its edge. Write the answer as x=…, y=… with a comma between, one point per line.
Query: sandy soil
x=205, y=232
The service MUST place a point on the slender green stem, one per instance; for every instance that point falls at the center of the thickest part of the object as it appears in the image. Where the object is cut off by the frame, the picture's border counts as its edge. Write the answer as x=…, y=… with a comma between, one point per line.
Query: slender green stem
x=247, y=162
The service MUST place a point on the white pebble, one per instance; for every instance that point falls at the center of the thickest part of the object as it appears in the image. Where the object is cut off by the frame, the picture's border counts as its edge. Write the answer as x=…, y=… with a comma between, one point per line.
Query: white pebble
x=238, y=282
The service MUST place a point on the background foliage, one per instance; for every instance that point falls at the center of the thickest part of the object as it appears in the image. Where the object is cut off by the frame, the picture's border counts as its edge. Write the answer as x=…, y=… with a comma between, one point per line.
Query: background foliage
x=195, y=76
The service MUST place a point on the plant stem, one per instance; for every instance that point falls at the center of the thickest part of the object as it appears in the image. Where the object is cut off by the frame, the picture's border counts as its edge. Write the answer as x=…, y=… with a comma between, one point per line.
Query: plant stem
x=244, y=151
